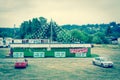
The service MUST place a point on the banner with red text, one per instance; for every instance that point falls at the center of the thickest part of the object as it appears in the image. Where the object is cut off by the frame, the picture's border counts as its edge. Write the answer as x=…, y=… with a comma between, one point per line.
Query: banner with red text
x=79, y=50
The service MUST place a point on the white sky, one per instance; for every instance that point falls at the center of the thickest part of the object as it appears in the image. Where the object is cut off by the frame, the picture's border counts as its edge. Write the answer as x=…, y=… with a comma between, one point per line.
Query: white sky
x=62, y=11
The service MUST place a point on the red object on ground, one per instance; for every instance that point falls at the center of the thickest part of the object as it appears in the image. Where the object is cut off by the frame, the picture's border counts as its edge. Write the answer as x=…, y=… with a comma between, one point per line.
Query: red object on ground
x=21, y=64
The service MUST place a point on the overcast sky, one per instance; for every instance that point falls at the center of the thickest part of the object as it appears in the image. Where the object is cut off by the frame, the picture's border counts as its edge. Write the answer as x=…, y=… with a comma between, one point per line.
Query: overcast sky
x=62, y=11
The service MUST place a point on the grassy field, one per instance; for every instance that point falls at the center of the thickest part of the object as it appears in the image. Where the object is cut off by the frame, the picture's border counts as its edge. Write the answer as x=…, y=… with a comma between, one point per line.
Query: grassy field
x=62, y=68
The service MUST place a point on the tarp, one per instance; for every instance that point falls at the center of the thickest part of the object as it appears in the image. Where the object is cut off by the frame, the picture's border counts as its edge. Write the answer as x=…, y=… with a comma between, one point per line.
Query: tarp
x=79, y=50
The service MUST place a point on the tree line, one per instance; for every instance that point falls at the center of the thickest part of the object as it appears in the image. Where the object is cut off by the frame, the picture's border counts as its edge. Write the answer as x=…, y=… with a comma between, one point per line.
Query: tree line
x=40, y=28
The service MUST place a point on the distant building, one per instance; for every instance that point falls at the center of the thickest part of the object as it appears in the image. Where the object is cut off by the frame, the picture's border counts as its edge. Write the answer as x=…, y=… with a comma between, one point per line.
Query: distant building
x=113, y=40
x=1, y=42
x=50, y=50
x=8, y=41
x=118, y=40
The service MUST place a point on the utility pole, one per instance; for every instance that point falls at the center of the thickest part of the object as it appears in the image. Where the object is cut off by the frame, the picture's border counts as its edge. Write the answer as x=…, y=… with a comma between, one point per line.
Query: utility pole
x=51, y=31
x=49, y=48
x=14, y=31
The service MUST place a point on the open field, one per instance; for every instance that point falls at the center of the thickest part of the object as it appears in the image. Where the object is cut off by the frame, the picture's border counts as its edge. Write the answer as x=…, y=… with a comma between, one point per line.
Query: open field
x=62, y=68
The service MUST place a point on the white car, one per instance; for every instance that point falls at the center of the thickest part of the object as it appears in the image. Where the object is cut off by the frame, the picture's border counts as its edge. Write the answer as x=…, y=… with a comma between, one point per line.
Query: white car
x=102, y=61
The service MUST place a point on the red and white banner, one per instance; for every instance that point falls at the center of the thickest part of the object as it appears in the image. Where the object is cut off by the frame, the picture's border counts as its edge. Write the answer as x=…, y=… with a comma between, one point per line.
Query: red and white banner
x=79, y=50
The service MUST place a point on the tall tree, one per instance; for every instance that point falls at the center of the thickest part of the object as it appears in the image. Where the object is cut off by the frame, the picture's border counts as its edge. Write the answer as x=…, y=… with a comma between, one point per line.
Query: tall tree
x=108, y=31
x=96, y=40
x=64, y=36
x=79, y=36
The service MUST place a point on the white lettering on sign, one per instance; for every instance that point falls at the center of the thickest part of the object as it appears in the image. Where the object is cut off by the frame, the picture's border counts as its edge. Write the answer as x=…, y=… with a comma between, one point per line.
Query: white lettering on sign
x=80, y=54
x=79, y=50
x=18, y=54
x=60, y=54
x=39, y=54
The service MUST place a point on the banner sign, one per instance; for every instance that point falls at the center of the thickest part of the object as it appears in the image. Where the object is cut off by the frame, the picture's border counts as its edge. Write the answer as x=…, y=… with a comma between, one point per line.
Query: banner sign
x=60, y=54
x=39, y=54
x=79, y=50
x=80, y=55
x=18, y=54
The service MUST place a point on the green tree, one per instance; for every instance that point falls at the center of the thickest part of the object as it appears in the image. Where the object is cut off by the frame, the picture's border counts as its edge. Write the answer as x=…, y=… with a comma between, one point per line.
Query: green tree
x=96, y=40
x=79, y=36
x=108, y=31
x=43, y=21
x=102, y=39
x=39, y=28
x=64, y=36
x=3, y=34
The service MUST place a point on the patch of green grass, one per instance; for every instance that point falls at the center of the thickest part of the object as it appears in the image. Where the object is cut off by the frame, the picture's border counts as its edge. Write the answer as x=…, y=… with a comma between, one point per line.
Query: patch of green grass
x=94, y=55
x=4, y=52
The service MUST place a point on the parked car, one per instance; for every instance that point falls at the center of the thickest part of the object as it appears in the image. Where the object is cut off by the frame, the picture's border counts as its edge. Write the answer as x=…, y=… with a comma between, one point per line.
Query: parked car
x=102, y=61
x=21, y=63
